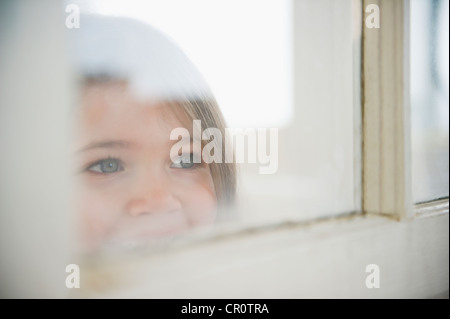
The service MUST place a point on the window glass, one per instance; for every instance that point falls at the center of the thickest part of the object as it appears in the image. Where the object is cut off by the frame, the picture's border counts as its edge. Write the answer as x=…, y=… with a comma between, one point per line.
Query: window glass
x=430, y=98
x=285, y=79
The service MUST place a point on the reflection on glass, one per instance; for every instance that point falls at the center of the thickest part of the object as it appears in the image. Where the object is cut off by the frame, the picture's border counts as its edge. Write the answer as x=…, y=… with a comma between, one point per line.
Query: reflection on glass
x=430, y=98
x=290, y=101
x=137, y=90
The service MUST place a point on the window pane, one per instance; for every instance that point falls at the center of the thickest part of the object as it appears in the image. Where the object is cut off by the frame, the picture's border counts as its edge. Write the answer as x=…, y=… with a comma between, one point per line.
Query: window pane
x=430, y=98
x=285, y=75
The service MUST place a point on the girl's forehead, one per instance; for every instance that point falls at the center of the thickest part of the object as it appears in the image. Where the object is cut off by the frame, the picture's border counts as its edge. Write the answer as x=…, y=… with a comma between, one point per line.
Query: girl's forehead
x=111, y=111
x=114, y=102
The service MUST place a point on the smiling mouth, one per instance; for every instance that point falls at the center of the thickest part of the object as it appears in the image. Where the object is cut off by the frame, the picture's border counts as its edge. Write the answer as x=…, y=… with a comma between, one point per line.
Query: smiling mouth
x=162, y=232
x=142, y=236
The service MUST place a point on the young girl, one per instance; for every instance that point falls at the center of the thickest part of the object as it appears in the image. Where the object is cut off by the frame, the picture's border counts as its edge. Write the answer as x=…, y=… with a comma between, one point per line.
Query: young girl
x=136, y=87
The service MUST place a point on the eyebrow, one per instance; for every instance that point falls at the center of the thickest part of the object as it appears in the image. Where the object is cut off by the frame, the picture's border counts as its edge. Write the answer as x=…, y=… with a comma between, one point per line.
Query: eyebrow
x=105, y=144
x=188, y=140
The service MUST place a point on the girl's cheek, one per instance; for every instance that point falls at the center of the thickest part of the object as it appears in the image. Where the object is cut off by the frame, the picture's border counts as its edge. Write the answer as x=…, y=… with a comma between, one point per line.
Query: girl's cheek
x=98, y=213
x=197, y=196
x=201, y=207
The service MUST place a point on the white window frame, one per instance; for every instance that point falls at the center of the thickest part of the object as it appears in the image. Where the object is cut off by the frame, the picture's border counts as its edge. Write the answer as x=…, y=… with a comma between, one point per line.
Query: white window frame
x=324, y=258
x=386, y=108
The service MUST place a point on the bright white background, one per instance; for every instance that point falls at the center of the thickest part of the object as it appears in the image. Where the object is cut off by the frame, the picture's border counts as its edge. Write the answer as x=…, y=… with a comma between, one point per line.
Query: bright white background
x=243, y=48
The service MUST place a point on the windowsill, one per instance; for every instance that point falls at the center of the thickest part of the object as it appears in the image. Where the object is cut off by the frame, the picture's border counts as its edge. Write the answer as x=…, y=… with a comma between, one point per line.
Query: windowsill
x=432, y=208
x=318, y=259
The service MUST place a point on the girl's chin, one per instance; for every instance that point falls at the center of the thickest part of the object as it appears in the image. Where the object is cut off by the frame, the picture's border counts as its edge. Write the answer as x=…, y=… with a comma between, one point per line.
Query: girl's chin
x=140, y=234
x=140, y=238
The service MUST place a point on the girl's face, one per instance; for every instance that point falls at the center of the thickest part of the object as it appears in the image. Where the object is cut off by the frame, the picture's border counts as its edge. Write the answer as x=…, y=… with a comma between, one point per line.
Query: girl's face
x=128, y=188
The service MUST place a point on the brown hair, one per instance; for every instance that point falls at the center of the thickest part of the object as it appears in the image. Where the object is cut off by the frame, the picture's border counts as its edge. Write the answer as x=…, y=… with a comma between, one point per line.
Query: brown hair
x=223, y=174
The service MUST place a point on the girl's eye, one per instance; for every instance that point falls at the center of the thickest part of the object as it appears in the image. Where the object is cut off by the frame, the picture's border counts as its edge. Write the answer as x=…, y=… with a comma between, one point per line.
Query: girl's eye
x=184, y=162
x=106, y=166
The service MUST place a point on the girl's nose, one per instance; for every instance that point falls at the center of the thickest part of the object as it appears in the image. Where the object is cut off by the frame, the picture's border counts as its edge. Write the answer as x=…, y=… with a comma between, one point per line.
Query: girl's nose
x=153, y=194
